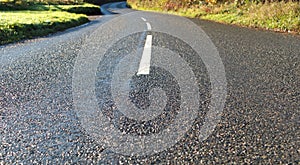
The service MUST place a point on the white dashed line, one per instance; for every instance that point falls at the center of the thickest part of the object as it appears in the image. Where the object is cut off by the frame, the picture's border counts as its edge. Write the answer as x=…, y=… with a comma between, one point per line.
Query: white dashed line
x=143, y=19
x=148, y=26
x=144, y=67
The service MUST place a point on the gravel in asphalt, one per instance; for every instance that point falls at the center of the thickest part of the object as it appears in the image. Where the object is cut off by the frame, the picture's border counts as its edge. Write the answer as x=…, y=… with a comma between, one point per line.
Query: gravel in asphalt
x=259, y=124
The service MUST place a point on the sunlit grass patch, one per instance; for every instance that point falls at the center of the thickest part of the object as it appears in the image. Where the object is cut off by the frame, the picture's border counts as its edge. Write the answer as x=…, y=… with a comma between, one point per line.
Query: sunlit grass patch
x=19, y=25
x=22, y=19
x=85, y=8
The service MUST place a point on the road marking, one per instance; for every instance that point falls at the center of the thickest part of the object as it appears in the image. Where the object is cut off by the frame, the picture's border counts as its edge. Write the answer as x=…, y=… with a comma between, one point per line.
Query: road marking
x=148, y=26
x=144, y=67
x=143, y=19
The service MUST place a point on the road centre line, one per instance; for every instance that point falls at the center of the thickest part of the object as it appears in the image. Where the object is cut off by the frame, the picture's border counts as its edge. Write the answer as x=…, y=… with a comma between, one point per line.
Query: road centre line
x=144, y=68
x=148, y=26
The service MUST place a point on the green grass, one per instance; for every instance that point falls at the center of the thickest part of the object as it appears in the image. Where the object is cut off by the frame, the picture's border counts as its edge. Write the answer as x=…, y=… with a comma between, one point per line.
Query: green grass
x=20, y=25
x=278, y=16
x=50, y=2
x=23, y=22
x=85, y=8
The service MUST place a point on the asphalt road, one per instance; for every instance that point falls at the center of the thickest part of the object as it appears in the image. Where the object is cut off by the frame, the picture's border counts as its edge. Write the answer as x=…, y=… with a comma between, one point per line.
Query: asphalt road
x=137, y=87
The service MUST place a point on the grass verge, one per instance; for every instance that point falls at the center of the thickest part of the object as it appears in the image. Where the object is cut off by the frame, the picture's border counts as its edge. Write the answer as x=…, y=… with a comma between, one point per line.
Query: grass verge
x=29, y=21
x=277, y=16
x=86, y=8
